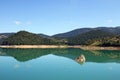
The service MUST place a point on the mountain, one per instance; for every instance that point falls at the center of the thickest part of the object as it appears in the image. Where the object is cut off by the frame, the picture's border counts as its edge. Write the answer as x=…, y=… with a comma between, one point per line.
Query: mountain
x=44, y=35
x=100, y=36
x=76, y=32
x=108, y=41
x=89, y=37
x=7, y=34
x=10, y=34
x=4, y=36
x=72, y=33
x=27, y=38
x=115, y=30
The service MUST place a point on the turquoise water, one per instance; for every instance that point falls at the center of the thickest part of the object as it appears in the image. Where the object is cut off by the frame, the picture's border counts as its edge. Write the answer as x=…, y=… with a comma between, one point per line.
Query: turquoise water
x=58, y=64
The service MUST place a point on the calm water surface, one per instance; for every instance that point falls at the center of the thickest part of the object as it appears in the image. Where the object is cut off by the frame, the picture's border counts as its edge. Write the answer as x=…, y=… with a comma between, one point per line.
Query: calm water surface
x=58, y=64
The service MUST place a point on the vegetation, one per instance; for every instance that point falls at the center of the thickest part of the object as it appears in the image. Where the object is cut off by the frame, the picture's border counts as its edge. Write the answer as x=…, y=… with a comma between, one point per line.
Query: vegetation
x=26, y=38
x=87, y=36
x=73, y=33
x=109, y=41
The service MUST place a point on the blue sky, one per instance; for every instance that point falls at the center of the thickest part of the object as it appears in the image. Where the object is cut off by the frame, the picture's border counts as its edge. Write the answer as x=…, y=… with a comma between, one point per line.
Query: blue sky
x=57, y=16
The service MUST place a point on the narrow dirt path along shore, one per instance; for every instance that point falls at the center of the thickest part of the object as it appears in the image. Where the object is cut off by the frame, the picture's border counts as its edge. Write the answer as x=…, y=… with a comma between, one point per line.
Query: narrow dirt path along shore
x=32, y=46
x=60, y=46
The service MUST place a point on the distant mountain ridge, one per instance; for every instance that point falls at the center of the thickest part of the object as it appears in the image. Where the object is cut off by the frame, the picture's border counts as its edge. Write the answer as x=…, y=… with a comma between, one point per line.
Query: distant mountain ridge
x=75, y=32
x=44, y=35
x=72, y=33
x=4, y=36
x=7, y=34
x=114, y=30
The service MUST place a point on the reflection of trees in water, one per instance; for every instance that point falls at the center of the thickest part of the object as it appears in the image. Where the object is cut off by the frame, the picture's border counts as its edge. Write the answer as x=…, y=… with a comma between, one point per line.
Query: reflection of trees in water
x=105, y=56
x=90, y=56
x=111, y=54
x=28, y=54
x=22, y=54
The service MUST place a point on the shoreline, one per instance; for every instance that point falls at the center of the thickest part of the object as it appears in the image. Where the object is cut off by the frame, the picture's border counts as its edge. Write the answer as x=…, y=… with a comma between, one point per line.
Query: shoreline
x=60, y=46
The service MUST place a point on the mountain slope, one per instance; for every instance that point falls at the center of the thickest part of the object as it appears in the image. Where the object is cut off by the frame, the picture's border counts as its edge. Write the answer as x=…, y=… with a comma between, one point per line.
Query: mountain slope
x=3, y=36
x=88, y=37
x=72, y=33
x=43, y=35
x=113, y=30
x=76, y=32
x=26, y=38
x=109, y=41
x=7, y=34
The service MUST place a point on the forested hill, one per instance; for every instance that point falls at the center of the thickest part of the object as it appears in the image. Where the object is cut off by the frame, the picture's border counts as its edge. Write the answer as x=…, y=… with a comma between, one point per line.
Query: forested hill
x=114, y=30
x=89, y=37
x=108, y=41
x=101, y=36
x=27, y=38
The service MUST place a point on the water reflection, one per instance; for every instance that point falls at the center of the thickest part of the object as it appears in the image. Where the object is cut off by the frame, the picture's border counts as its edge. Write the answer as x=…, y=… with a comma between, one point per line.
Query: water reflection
x=102, y=56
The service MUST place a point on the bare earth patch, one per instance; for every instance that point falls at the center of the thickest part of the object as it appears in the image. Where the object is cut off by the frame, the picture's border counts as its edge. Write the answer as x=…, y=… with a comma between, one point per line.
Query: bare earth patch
x=60, y=46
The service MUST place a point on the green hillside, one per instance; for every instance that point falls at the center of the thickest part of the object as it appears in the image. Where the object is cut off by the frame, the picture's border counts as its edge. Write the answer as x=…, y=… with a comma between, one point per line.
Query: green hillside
x=89, y=37
x=93, y=37
x=73, y=33
x=109, y=41
x=26, y=38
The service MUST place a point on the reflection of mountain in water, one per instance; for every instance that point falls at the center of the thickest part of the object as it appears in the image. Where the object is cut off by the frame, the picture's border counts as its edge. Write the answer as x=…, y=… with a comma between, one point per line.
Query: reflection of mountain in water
x=25, y=54
x=91, y=56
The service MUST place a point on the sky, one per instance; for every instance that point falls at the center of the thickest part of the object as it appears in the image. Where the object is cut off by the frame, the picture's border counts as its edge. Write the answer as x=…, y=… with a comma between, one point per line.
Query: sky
x=57, y=16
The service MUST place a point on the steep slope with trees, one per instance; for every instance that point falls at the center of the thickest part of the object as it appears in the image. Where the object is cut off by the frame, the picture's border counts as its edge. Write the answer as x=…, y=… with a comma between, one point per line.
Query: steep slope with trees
x=26, y=38
x=100, y=36
x=73, y=33
x=109, y=41
x=89, y=37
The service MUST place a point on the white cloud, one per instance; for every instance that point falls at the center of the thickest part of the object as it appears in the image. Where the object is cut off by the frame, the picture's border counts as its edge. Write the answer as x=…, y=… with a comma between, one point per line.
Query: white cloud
x=17, y=22
x=23, y=23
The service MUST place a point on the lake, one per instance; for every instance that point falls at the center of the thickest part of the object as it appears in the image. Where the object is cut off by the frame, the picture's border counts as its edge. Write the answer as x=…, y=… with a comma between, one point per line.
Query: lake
x=59, y=64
